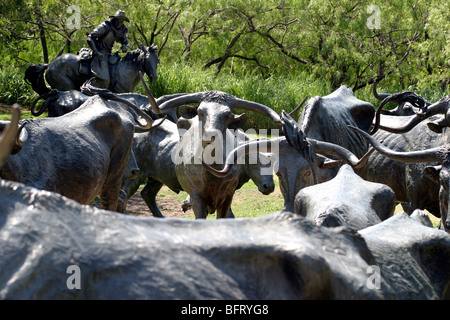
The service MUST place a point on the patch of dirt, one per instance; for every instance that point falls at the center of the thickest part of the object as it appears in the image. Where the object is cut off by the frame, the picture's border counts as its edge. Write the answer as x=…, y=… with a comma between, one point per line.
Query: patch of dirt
x=170, y=208
x=168, y=203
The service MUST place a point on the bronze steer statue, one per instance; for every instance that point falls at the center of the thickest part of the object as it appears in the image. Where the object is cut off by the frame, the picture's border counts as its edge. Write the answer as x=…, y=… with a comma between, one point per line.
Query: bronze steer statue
x=55, y=248
x=208, y=130
x=433, y=157
x=341, y=109
x=81, y=155
x=154, y=150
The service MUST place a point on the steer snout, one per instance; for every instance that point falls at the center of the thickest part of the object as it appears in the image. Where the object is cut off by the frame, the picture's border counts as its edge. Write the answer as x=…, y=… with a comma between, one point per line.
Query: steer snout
x=134, y=174
x=267, y=188
x=132, y=170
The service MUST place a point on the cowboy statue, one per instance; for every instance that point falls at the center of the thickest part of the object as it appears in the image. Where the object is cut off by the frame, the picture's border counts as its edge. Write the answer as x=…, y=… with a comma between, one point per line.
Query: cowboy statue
x=101, y=41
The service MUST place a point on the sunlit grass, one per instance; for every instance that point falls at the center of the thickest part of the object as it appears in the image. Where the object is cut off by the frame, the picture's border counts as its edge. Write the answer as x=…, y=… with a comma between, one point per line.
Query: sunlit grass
x=248, y=202
x=6, y=115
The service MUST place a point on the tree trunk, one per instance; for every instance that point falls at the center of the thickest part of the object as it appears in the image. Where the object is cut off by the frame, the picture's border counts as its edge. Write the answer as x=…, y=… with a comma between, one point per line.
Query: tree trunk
x=43, y=43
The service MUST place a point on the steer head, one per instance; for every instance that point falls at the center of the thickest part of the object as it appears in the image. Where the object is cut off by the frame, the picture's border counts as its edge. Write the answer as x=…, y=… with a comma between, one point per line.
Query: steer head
x=440, y=173
x=411, y=98
x=213, y=113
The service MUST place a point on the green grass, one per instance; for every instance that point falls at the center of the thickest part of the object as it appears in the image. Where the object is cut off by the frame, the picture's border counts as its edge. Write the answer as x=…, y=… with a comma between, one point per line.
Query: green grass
x=248, y=202
x=279, y=93
x=435, y=221
x=6, y=115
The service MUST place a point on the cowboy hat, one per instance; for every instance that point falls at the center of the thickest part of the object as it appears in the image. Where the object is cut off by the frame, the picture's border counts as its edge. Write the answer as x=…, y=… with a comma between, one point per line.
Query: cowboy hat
x=120, y=14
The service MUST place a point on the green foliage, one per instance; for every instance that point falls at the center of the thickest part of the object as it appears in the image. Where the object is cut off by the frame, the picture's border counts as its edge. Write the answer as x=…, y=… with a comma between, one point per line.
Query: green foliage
x=274, y=52
x=278, y=93
x=13, y=89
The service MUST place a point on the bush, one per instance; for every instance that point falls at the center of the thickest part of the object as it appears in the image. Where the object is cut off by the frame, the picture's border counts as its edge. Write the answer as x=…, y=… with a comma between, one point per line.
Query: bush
x=13, y=88
x=279, y=93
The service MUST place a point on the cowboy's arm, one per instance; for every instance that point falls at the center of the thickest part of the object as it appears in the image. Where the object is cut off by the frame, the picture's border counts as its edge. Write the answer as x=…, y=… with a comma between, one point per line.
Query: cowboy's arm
x=98, y=32
x=124, y=41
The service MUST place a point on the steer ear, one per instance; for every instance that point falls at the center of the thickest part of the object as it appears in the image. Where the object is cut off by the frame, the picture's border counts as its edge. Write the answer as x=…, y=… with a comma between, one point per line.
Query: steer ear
x=187, y=112
x=238, y=122
x=326, y=163
x=432, y=172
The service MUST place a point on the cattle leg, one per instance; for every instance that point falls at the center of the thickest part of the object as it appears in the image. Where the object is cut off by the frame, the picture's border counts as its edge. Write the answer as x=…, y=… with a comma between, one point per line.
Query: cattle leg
x=123, y=200
x=149, y=193
x=199, y=208
x=109, y=199
x=407, y=207
x=225, y=210
x=109, y=195
x=230, y=214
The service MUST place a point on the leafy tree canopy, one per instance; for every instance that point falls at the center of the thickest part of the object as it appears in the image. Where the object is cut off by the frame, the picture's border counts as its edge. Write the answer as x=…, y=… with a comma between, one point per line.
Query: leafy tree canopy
x=350, y=42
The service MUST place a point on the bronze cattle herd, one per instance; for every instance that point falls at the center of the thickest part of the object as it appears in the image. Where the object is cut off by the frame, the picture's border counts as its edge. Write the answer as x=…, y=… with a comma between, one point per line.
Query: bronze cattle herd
x=343, y=166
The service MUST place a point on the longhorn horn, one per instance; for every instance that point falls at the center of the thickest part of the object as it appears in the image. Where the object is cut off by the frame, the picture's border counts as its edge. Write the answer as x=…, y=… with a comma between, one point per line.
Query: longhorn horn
x=294, y=112
x=240, y=151
x=233, y=102
x=430, y=155
x=328, y=148
x=242, y=104
x=180, y=100
x=255, y=146
x=378, y=96
x=439, y=107
x=9, y=135
x=151, y=99
x=140, y=117
x=405, y=96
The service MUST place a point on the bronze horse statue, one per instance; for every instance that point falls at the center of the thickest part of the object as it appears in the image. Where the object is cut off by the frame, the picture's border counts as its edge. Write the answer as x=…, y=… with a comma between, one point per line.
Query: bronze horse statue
x=69, y=71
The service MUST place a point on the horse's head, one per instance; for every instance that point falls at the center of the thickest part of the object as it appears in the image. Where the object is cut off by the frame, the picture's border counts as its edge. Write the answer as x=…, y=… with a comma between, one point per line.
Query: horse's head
x=151, y=60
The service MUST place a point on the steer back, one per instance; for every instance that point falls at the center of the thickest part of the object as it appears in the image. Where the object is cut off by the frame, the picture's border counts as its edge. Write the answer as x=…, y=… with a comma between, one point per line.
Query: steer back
x=79, y=155
x=112, y=256
x=335, y=202
x=58, y=103
x=420, y=138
